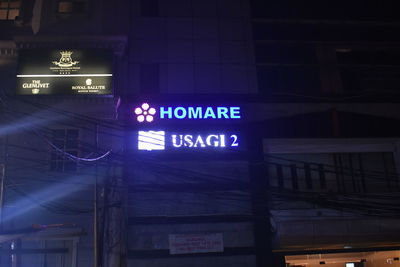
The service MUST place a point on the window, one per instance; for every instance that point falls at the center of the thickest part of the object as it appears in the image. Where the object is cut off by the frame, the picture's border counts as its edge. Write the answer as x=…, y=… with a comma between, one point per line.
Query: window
x=67, y=140
x=372, y=172
x=366, y=10
x=278, y=80
x=9, y=9
x=149, y=78
x=285, y=54
x=71, y=6
x=369, y=70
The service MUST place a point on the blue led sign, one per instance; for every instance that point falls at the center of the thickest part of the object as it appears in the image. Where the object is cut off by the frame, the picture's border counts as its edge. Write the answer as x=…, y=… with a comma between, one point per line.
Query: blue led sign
x=161, y=140
x=148, y=139
x=146, y=113
x=200, y=113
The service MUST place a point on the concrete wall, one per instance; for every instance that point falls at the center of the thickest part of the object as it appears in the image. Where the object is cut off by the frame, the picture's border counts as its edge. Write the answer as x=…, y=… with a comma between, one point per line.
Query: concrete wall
x=198, y=47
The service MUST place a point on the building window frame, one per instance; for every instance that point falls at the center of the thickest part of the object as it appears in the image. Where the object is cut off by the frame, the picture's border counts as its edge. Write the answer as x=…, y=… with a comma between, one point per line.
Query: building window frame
x=71, y=7
x=9, y=9
x=67, y=142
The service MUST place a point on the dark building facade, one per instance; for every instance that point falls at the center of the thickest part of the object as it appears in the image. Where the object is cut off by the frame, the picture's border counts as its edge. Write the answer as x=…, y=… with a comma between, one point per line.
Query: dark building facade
x=199, y=132
x=328, y=71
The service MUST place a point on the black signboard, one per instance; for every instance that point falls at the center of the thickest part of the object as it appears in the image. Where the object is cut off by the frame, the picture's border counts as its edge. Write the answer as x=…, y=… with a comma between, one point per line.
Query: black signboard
x=64, y=72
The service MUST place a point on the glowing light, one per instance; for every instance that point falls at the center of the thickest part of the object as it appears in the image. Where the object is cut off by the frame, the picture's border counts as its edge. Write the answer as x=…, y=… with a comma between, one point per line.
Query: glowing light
x=138, y=111
x=200, y=113
x=63, y=75
x=211, y=140
x=70, y=186
x=145, y=113
x=151, y=140
x=38, y=119
x=145, y=106
x=161, y=140
x=195, y=113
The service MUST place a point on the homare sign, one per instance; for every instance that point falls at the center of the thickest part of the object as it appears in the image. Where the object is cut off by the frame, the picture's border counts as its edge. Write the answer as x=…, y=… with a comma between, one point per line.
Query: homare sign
x=146, y=113
x=64, y=72
x=151, y=137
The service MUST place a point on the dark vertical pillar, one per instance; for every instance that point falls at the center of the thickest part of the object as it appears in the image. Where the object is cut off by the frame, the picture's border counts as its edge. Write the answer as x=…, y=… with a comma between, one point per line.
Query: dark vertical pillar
x=279, y=260
x=352, y=174
x=295, y=180
x=260, y=199
x=337, y=173
x=279, y=173
x=361, y=173
x=342, y=172
x=387, y=176
x=331, y=80
x=335, y=123
x=322, y=178
x=307, y=174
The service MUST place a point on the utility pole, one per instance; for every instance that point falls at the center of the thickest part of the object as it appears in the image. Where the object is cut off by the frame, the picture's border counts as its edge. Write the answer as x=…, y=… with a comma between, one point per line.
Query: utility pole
x=259, y=198
x=2, y=186
x=3, y=170
x=2, y=173
x=95, y=224
x=95, y=257
x=2, y=176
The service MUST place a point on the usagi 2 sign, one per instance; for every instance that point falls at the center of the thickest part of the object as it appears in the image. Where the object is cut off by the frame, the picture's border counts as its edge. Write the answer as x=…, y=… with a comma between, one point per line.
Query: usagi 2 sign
x=162, y=140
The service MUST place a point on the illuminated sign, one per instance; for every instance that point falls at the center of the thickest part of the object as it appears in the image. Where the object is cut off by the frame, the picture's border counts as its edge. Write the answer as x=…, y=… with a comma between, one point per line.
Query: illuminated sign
x=200, y=113
x=151, y=140
x=150, y=137
x=146, y=113
x=64, y=72
x=161, y=140
x=211, y=140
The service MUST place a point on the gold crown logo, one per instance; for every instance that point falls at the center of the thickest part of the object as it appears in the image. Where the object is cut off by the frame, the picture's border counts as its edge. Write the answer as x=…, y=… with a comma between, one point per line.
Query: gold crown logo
x=66, y=60
x=66, y=53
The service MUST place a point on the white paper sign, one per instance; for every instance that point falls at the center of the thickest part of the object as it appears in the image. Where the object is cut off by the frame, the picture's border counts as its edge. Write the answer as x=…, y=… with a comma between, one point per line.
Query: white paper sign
x=195, y=243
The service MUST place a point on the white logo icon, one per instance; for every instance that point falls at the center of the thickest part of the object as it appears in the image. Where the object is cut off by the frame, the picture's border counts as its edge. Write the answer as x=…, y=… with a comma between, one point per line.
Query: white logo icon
x=145, y=113
x=151, y=140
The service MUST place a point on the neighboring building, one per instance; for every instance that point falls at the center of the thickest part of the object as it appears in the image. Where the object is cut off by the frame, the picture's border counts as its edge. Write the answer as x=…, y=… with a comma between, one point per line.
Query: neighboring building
x=49, y=138
x=329, y=72
x=178, y=52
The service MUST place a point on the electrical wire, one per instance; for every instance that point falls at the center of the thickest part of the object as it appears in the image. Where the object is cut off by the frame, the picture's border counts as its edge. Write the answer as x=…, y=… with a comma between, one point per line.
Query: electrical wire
x=70, y=155
x=177, y=173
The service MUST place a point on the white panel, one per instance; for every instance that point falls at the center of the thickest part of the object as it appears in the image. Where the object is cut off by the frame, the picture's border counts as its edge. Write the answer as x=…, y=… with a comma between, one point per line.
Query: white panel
x=151, y=140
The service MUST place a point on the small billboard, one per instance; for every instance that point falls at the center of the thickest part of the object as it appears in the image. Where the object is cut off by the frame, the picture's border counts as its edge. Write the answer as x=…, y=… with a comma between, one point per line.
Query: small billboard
x=64, y=72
